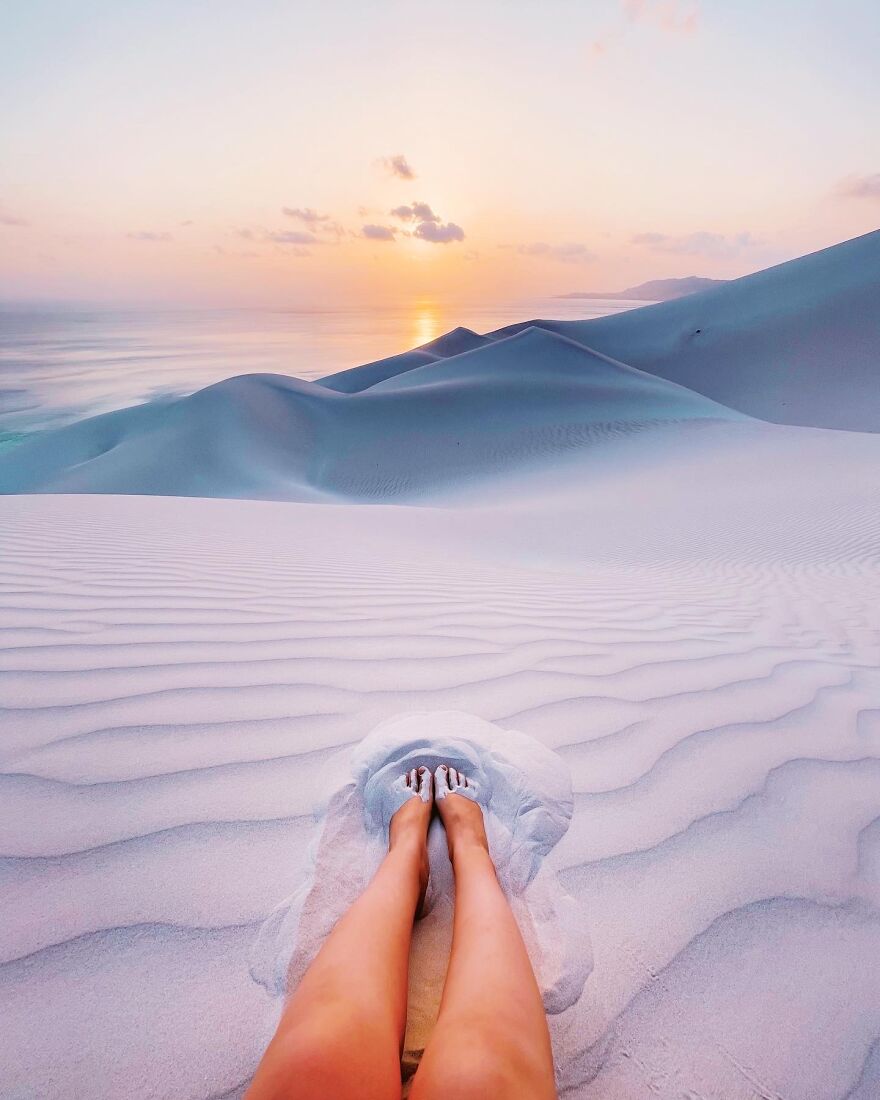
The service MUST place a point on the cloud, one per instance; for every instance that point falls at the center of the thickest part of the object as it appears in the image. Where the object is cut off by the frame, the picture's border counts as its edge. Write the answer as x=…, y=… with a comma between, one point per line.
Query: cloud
x=428, y=226
x=398, y=166
x=672, y=16
x=416, y=211
x=144, y=235
x=378, y=232
x=11, y=219
x=860, y=187
x=437, y=233
x=295, y=241
x=305, y=214
x=189, y=221
x=669, y=16
x=221, y=251
x=292, y=236
x=571, y=253
x=700, y=243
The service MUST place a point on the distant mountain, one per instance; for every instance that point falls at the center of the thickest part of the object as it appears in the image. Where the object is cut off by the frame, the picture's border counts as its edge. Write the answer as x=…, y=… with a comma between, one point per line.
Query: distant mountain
x=657, y=290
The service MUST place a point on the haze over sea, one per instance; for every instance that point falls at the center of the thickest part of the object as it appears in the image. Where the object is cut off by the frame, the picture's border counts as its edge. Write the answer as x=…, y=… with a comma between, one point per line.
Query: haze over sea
x=58, y=365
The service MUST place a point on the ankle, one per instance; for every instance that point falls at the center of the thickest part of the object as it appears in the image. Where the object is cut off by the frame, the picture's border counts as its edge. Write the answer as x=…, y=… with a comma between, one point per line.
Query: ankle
x=468, y=845
x=407, y=842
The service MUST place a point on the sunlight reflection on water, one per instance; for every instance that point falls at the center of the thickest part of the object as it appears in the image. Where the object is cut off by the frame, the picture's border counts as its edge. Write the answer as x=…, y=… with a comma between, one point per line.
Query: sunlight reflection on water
x=426, y=326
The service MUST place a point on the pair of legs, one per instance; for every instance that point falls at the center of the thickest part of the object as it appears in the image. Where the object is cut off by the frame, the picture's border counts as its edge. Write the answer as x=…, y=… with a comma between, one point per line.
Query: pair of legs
x=341, y=1034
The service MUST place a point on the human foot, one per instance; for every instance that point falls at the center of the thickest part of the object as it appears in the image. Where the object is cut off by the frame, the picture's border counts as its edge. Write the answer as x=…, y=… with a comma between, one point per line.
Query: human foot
x=462, y=816
x=408, y=828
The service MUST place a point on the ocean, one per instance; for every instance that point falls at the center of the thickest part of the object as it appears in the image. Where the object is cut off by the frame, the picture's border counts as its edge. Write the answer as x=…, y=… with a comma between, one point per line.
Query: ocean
x=60, y=365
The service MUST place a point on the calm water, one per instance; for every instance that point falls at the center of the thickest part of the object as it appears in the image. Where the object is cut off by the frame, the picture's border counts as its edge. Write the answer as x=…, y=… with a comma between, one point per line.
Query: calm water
x=59, y=366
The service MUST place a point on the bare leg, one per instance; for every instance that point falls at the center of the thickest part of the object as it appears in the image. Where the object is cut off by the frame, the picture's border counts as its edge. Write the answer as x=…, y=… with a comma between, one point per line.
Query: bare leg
x=342, y=1030
x=491, y=1036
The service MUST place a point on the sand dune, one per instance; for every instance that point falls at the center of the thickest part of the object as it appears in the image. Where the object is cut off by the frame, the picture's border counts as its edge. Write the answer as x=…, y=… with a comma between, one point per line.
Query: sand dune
x=455, y=342
x=795, y=344
x=501, y=406
x=678, y=598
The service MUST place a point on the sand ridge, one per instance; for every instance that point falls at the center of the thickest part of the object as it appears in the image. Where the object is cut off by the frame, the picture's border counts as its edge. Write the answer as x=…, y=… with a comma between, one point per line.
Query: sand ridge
x=719, y=718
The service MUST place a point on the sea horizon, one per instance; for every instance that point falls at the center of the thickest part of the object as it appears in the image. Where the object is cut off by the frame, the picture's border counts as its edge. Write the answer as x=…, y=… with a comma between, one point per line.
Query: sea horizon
x=62, y=362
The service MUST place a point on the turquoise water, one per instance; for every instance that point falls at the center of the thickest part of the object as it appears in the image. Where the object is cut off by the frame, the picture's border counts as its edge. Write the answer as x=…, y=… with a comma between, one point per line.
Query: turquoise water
x=57, y=366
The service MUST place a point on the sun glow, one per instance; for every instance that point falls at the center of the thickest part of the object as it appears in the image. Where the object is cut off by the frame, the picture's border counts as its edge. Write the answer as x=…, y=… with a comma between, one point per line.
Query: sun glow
x=426, y=323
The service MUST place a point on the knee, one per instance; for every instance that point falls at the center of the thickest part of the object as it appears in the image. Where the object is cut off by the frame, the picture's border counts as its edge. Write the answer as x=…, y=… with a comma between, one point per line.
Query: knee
x=480, y=1075
x=302, y=1056
x=471, y=1082
x=321, y=1059
x=478, y=1071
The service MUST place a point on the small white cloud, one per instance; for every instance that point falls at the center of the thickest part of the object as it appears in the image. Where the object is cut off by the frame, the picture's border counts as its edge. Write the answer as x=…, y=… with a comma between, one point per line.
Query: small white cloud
x=416, y=211
x=437, y=233
x=422, y=212
x=672, y=16
x=571, y=253
x=333, y=228
x=680, y=17
x=427, y=225
x=378, y=232
x=700, y=243
x=398, y=166
x=292, y=236
x=221, y=251
x=309, y=217
x=860, y=187
x=145, y=235
x=290, y=239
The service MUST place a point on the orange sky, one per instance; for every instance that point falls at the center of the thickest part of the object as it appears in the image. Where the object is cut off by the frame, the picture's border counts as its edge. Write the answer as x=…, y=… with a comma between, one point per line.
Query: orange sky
x=152, y=150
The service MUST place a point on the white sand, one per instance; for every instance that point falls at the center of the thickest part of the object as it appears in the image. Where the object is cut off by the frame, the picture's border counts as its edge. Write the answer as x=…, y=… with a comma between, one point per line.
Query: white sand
x=680, y=601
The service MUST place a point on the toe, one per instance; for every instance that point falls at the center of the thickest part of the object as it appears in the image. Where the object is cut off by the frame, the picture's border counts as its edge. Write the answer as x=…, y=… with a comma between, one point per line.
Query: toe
x=441, y=781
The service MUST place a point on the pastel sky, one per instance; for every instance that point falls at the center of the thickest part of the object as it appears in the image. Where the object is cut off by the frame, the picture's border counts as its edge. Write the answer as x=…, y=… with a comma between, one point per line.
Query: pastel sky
x=289, y=152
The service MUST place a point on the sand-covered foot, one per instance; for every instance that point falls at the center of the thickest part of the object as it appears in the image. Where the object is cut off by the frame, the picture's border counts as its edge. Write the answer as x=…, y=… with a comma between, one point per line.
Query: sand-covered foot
x=408, y=828
x=457, y=800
